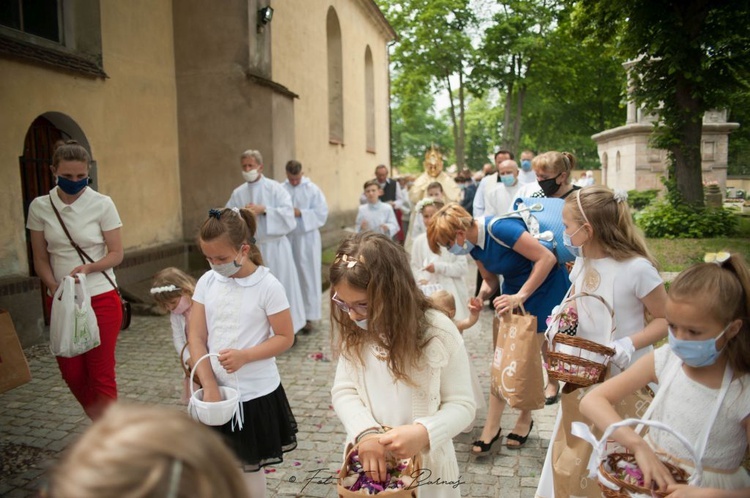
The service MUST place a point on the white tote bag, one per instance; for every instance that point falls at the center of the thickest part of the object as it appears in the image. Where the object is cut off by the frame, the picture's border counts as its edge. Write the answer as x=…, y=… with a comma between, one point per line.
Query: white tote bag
x=73, y=328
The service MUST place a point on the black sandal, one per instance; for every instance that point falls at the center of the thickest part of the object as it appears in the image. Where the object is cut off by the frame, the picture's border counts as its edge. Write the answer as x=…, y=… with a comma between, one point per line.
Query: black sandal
x=521, y=439
x=551, y=400
x=485, y=447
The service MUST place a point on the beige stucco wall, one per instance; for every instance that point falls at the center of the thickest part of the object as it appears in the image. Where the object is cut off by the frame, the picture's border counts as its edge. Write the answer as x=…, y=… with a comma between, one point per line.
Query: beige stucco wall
x=299, y=54
x=129, y=120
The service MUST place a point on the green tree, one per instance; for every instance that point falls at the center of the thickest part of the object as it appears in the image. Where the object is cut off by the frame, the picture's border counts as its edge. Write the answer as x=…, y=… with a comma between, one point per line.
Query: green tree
x=433, y=49
x=414, y=127
x=482, y=123
x=690, y=56
x=515, y=38
x=574, y=91
x=739, y=141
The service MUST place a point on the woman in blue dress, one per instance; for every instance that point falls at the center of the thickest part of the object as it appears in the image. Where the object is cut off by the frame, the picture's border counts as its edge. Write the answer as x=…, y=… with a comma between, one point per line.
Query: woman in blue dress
x=531, y=276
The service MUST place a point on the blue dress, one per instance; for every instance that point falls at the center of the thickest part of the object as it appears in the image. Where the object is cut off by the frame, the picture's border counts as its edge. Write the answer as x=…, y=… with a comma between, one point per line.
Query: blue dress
x=516, y=269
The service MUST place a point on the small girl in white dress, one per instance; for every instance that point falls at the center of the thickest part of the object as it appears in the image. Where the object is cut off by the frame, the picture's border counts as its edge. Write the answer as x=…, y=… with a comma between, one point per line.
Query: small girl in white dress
x=172, y=290
x=445, y=300
x=704, y=374
x=444, y=271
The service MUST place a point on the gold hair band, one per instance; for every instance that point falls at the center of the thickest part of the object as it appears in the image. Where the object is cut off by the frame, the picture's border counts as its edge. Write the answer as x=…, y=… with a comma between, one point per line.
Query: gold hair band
x=349, y=260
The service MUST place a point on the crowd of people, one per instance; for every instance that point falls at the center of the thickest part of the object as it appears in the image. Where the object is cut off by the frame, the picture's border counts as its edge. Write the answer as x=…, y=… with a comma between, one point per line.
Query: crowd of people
x=404, y=385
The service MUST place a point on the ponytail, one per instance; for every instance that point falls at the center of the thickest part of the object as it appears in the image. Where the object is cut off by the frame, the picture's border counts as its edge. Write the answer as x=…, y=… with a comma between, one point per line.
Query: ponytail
x=239, y=225
x=252, y=225
x=723, y=289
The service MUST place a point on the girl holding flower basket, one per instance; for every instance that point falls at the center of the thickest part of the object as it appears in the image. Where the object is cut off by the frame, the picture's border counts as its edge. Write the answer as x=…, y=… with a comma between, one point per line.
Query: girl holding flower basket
x=613, y=263
x=703, y=378
x=402, y=365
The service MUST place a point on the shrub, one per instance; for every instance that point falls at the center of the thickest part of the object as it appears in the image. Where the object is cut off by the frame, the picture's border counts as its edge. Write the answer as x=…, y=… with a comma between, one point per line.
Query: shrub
x=639, y=199
x=663, y=220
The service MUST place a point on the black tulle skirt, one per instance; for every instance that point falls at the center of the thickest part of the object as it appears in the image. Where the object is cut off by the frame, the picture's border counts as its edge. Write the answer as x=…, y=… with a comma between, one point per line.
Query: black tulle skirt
x=268, y=432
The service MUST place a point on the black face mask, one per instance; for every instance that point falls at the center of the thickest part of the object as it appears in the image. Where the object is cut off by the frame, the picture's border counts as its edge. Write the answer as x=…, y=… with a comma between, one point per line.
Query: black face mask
x=550, y=186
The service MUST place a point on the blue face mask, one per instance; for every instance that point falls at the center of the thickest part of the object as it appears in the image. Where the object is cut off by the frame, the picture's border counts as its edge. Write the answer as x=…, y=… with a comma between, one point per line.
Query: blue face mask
x=70, y=187
x=461, y=250
x=508, y=180
x=361, y=323
x=696, y=353
x=526, y=165
x=576, y=251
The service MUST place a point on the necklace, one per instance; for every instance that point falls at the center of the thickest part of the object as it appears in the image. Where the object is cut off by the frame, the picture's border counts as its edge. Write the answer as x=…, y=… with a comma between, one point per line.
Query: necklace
x=591, y=280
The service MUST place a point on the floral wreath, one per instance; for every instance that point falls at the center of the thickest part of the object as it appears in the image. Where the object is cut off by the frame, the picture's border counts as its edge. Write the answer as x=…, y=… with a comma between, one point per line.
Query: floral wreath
x=165, y=288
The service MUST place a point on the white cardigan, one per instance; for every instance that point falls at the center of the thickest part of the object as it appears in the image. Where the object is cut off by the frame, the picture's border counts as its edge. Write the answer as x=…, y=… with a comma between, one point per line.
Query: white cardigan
x=442, y=396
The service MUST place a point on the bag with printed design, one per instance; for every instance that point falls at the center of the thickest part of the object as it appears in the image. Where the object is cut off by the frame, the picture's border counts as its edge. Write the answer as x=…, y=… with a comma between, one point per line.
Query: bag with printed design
x=73, y=328
x=517, y=375
x=571, y=454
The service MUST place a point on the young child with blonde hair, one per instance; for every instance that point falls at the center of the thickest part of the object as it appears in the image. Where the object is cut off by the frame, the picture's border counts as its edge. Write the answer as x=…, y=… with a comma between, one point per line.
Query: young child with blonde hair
x=703, y=375
x=612, y=262
x=444, y=271
x=146, y=452
x=446, y=302
x=172, y=289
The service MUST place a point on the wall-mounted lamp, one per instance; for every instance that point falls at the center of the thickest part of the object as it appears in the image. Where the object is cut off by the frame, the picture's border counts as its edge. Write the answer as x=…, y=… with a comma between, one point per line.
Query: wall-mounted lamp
x=265, y=15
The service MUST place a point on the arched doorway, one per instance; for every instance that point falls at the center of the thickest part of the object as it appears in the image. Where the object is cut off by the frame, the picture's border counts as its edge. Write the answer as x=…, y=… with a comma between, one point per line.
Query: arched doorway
x=36, y=176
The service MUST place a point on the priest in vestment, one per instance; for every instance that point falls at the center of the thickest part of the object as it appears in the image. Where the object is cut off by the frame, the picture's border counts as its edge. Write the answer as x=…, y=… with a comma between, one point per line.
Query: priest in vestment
x=275, y=214
x=311, y=213
x=433, y=172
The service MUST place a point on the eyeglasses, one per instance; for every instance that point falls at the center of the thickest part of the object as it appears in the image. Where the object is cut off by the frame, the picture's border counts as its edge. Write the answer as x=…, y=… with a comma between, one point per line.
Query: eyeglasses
x=360, y=309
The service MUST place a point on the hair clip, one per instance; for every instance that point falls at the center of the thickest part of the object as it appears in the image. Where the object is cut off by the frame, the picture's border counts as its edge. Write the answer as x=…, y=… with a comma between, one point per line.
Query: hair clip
x=214, y=213
x=620, y=196
x=349, y=260
x=166, y=288
x=251, y=240
x=716, y=257
x=236, y=210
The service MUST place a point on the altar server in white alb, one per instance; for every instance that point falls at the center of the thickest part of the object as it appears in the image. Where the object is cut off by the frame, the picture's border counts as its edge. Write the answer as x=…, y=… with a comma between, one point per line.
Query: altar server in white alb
x=272, y=206
x=311, y=213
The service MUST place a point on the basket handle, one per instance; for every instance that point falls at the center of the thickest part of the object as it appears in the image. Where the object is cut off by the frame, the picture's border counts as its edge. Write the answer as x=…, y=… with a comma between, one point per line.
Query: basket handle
x=195, y=367
x=582, y=431
x=551, y=331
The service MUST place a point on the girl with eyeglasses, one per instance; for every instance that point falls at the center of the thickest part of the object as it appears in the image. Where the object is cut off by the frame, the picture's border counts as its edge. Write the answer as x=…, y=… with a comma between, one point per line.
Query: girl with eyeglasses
x=402, y=365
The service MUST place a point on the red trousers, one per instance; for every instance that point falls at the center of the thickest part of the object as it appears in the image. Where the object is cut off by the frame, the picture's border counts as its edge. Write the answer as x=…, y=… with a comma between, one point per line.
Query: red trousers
x=91, y=375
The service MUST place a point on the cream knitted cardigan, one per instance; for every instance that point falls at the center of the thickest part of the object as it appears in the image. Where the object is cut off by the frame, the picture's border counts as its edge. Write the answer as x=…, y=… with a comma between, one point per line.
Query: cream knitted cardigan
x=442, y=401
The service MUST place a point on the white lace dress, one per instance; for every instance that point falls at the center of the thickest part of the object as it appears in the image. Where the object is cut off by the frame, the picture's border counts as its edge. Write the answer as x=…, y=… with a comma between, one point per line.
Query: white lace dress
x=684, y=407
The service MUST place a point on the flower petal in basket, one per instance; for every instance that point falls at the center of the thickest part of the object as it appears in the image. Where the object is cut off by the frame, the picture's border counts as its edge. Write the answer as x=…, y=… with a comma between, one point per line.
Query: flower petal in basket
x=613, y=486
x=353, y=480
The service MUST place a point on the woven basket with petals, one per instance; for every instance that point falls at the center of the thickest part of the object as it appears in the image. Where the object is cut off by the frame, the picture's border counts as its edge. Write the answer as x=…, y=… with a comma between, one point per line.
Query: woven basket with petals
x=400, y=483
x=575, y=360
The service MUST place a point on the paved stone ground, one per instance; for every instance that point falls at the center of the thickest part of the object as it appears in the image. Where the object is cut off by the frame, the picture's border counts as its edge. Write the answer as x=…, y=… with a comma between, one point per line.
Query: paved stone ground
x=41, y=418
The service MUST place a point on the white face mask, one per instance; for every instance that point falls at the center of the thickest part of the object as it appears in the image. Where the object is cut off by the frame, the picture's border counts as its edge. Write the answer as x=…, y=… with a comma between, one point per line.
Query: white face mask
x=250, y=176
x=227, y=269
